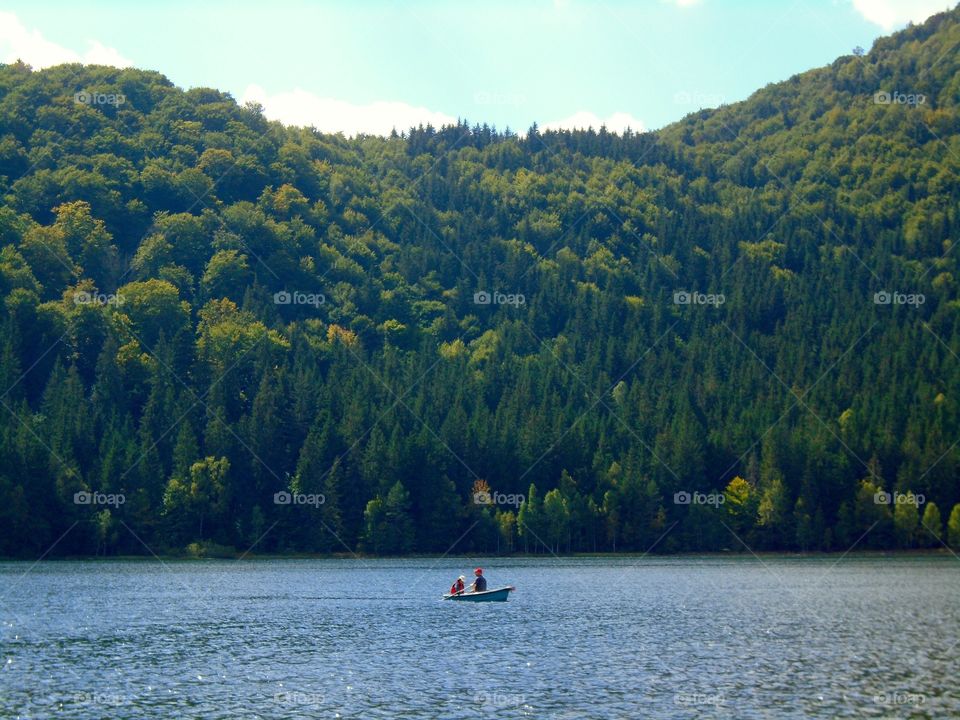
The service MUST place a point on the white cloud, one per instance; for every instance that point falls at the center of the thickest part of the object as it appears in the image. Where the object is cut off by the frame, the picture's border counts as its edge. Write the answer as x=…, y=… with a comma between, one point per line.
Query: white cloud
x=302, y=108
x=618, y=122
x=890, y=14
x=19, y=43
x=99, y=54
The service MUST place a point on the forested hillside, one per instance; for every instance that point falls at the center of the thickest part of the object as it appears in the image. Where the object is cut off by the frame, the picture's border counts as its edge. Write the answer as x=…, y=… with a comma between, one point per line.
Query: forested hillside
x=203, y=311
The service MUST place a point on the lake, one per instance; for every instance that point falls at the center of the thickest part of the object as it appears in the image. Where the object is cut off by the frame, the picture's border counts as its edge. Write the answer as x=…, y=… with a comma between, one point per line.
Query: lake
x=657, y=637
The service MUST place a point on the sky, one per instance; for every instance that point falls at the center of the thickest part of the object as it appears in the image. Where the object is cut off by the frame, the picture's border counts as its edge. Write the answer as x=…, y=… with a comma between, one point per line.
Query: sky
x=371, y=66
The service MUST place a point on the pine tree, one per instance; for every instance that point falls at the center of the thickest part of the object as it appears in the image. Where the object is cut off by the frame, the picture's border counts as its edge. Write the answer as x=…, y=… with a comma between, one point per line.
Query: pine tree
x=186, y=451
x=530, y=520
x=773, y=515
x=953, y=527
x=556, y=520
x=398, y=520
x=374, y=538
x=931, y=526
x=906, y=520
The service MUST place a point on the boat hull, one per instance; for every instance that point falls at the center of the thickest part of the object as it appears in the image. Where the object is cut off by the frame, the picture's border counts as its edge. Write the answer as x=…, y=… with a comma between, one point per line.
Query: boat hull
x=497, y=595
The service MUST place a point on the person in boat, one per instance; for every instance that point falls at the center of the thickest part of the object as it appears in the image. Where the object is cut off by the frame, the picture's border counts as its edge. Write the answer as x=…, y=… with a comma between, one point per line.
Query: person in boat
x=480, y=583
x=457, y=586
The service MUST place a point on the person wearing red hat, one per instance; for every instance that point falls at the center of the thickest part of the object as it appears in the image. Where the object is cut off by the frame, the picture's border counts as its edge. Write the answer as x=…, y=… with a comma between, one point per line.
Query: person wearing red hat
x=480, y=584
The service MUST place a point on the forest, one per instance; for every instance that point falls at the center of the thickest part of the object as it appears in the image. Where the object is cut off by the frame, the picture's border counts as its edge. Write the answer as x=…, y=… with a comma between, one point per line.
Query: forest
x=221, y=335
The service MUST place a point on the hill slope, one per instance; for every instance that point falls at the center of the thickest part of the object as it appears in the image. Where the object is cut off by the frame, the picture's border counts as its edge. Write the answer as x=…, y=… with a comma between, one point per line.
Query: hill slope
x=203, y=309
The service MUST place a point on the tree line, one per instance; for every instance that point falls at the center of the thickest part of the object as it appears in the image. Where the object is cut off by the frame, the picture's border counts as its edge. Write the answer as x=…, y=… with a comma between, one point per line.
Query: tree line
x=219, y=334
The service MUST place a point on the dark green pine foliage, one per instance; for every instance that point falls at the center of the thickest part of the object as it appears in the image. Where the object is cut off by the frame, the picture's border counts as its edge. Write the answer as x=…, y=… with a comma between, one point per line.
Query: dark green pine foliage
x=167, y=350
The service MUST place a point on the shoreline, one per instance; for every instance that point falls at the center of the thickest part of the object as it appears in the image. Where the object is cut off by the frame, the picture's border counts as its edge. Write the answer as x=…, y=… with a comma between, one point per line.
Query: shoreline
x=729, y=554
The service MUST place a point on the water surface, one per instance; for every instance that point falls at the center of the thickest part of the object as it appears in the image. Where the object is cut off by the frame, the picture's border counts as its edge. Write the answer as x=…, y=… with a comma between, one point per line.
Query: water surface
x=861, y=636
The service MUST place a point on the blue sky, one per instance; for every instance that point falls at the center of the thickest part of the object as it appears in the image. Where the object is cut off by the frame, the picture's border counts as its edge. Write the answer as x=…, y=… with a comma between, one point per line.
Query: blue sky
x=373, y=65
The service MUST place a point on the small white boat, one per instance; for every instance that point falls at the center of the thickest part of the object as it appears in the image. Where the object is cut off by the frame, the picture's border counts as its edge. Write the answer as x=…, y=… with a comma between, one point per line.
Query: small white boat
x=496, y=595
